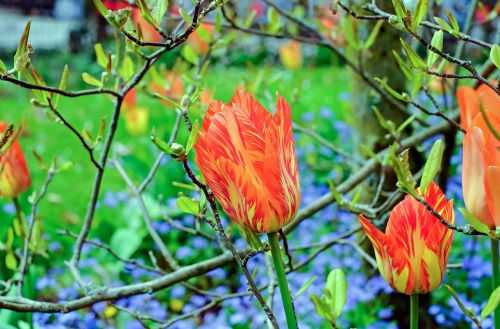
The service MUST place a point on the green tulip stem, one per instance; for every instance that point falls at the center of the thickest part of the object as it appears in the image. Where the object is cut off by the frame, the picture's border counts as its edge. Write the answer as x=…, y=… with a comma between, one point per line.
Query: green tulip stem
x=279, y=267
x=495, y=274
x=414, y=311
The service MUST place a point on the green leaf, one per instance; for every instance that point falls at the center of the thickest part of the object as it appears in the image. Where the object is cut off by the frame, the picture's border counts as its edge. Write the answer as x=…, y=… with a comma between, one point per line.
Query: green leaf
x=454, y=24
x=274, y=20
x=21, y=57
x=401, y=165
x=373, y=35
x=102, y=58
x=336, y=284
x=91, y=80
x=192, y=136
x=252, y=239
x=474, y=222
x=3, y=68
x=396, y=22
x=417, y=81
x=188, y=205
x=390, y=90
x=437, y=42
x=305, y=286
x=444, y=25
x=126, y=241
x=185, y=16
x=169, y=100
x=419, y=13
x=190, y=54
x=146, y=13
x=127, y=68
x=161, y=144
x=62, y=85
x=432, y=165
x=23, y=325
x=494, y=55
x=218, y=21
x=406, y=123
x=100, y=7
x=405, y=68
x=336, y=194
x=160, y=10
x=349, y=30
x=249, y=19
x=492, y=303
x=415, y=60
x=321, y=308
x=399, y=8
x=11, y=261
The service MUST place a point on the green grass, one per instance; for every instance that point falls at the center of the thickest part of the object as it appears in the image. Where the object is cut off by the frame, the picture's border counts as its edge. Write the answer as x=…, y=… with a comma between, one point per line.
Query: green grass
x=307, y=90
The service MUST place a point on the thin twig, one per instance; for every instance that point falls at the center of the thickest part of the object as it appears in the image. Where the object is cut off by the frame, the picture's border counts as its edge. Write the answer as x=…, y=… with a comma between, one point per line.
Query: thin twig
x=25, y=260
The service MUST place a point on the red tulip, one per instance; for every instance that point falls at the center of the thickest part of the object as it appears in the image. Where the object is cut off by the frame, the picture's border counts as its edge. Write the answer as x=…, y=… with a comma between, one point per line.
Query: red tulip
x=14, y=175
x=413, y=252
x=247, y=157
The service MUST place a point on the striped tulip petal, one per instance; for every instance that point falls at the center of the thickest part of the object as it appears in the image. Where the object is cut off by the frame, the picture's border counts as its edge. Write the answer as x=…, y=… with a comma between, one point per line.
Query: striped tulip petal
x=14, y=175
x=247, y=157
x=413, y=252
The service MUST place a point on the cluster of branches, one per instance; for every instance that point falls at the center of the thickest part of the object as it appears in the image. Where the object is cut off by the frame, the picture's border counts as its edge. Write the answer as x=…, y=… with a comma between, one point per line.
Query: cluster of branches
x=308, y=33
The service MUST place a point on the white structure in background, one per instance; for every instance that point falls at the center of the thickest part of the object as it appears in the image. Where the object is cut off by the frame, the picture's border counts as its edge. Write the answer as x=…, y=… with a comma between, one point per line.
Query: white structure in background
x=47, y=32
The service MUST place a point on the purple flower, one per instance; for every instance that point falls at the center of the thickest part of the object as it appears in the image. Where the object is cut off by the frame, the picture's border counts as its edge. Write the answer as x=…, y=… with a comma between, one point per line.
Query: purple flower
x=308, y=116
x=9, y=209
x=178, y=291
x=183, y=252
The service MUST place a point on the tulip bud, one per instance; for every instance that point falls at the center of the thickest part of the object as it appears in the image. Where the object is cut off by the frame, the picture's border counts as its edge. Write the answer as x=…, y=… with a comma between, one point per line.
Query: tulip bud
x=14, y=175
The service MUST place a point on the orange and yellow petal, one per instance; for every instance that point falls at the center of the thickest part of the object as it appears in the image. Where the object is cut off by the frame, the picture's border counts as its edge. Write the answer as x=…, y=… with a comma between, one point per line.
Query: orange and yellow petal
x=473, y=168
x=248, y=159
x=489, y=99
x=281, y=179
x=468, y=103
x=14, y=174
x=492, y=186
x=413, y=253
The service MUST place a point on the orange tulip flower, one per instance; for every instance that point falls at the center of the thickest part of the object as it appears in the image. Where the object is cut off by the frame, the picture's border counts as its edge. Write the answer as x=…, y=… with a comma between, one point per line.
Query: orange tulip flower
x=469, y=100
x=14, y=175
x=247, y=157
x=195, y=40
x=129, y=101
x=481, y=169
x=481, y=155
x=413, y=252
